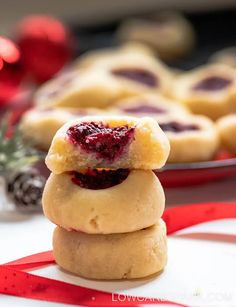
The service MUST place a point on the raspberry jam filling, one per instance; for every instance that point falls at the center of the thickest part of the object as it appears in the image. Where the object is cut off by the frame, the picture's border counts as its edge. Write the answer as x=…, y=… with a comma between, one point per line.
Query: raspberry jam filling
x=178, y=127
x=213, y=83
x=138, y=75
x=107, y=143
x=142, y=109
x=99, y=179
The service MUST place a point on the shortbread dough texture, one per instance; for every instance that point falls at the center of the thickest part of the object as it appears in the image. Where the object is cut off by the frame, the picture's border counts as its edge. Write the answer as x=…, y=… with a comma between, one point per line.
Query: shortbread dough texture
x=116, y=256
x=136, y=203
x=148, y=148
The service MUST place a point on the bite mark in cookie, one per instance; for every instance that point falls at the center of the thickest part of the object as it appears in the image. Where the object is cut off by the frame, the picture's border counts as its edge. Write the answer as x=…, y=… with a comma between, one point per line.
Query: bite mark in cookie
x=106, y=142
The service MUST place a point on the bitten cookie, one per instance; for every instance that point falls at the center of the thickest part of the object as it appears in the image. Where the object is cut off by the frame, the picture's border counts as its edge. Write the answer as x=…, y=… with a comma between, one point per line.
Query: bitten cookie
x=40, y=125
x=155, y=106
x=227, y=130
x=168, y=33
x=104, y=201
x=192, y=138
x=108, y=142
x=114, y=256
x=209, y=90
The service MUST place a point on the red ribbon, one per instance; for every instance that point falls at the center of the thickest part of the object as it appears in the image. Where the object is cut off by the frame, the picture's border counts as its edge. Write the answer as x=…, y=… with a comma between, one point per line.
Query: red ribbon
x=14, y=281
x=19, y=283
x=181, y=217
x=32, y=261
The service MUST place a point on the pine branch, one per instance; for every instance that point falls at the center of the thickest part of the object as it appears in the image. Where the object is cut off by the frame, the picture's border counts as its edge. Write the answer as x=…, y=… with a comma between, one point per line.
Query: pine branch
x=15, y=153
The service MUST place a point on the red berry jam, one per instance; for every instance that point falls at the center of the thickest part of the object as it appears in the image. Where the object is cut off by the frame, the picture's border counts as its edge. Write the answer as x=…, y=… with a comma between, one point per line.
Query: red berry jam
x=107, y=143
x=213, y=83
x=99, y=179
x=144, y=109
x=178, y=127
x=138, y=75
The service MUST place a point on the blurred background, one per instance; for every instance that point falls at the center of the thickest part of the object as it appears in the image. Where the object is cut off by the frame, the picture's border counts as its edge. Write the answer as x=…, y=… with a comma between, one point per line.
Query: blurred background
x=94, y=21
x=89, y=12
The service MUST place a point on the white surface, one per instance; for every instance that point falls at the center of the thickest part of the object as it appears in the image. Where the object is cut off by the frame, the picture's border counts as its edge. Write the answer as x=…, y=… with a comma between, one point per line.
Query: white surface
x=199, y=272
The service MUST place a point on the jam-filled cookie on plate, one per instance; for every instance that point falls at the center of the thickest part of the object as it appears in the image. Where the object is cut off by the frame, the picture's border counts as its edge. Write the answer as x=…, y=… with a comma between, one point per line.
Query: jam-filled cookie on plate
x=108, y=142
x=152, y=105
x=81, y=89
x=227, y=130
x=137, y=75
x=105, y=82
x=192, y=138
x=209, y=90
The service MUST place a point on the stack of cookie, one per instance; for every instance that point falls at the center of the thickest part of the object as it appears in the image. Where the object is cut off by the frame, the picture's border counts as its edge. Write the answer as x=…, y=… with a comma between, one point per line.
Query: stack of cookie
x=105, y=198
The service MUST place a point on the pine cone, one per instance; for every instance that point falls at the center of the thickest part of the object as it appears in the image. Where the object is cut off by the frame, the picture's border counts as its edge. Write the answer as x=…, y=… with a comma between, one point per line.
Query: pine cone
x=25, y=189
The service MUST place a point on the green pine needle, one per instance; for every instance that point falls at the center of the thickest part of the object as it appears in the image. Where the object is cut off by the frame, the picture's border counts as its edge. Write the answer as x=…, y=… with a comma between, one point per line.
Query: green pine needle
x=15, y=152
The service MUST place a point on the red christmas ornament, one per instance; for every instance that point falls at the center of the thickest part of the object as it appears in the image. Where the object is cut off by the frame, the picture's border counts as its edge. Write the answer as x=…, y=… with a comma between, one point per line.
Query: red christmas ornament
x=45, y=44
x=11, y=70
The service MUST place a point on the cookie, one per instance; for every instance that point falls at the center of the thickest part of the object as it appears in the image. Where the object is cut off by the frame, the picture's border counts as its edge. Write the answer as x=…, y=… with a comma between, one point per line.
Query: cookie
x=137, y=74
x=40, y=125
x=104, y=201
x=115, y=256
x=168, y=33
x=108, y=142
x=90, y=58
x=227, y=131
x=155, y=106
x=106, y=79
x=192, y=138
x=209, y=90
x=225, y=56
x=80, y=89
